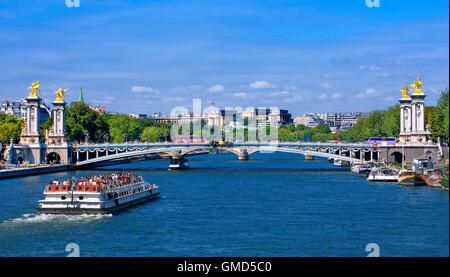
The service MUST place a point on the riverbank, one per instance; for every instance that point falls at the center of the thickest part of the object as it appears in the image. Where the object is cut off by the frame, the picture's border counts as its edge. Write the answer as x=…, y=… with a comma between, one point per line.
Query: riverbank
x=27, y=171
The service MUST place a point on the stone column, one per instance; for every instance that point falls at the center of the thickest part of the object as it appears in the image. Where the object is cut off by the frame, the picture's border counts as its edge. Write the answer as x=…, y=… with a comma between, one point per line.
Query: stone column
x=31, y=133
x=405, y=118
x=57, y=141
x=418, y=104
x=31, y=136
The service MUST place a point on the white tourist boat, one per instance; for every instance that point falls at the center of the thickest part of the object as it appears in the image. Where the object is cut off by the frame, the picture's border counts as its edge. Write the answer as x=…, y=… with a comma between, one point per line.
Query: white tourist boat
x=176, y=164
x=341, y=163
x=383, y=174
x=362, y=169
x=84, y=196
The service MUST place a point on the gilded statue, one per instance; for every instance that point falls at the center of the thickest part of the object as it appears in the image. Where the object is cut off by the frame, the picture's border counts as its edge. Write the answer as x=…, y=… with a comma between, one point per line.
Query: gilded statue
x=60, y=94
x=417, y=86
x=405, y=91
x=34, y=89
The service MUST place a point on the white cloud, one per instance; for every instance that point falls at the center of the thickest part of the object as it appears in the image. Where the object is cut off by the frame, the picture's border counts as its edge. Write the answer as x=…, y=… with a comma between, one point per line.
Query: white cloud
x=279, y=93
x=140, y=89
x=260, y=85
x=216, y=88
x=370, y=92
x=290, y=87
x=295, y=99
x=242, y=95
x=435, y=91
x=335, y=95
x=325, y=86
x=369, y=67
x=104, y=100
x=173, y=99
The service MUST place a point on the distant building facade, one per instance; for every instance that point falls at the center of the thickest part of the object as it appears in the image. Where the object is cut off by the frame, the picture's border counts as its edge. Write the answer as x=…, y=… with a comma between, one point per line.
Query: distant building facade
x=138, y=116
x=217, y=117
x=98, y=108
x=342, y=121
x=19, y=110
x=310, y=120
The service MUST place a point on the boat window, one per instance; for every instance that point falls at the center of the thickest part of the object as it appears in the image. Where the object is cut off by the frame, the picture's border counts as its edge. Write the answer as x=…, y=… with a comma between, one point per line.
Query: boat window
x=63, y=197
x=81, y=197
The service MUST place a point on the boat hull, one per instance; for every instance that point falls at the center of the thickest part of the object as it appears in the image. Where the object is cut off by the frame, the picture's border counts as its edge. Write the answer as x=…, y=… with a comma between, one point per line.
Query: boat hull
x=113, y=210
x=412, y=181
x=381, y=179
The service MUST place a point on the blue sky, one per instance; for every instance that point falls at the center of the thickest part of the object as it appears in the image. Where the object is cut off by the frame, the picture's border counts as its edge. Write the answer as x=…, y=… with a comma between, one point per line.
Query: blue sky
x=149, y=56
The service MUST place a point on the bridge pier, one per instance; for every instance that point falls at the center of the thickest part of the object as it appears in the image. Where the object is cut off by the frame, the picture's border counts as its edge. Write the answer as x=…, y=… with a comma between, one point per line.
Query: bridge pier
x=243, y=155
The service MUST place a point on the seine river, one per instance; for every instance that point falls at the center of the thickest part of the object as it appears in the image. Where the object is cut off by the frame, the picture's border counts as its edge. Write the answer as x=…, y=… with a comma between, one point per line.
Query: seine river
x=271, y=205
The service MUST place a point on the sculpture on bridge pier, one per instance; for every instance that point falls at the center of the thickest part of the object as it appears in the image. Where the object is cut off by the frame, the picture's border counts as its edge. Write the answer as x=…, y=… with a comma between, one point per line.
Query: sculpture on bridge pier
x=413, y=127
x=31, y=147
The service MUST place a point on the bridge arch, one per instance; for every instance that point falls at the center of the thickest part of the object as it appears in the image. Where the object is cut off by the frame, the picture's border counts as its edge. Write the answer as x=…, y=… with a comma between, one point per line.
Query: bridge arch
x=396, y=157
x=53, y=158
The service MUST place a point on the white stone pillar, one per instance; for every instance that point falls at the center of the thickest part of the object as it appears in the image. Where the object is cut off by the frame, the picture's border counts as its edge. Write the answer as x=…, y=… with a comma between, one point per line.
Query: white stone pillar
x=413, y=117
x=402, y=119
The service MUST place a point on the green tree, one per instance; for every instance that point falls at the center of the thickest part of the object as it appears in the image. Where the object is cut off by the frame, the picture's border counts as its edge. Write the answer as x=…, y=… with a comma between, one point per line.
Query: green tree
x=47, y=125
x=82, y=120
x=10, y=128
x=440, y=118
x=155, y=134
x=391, y=124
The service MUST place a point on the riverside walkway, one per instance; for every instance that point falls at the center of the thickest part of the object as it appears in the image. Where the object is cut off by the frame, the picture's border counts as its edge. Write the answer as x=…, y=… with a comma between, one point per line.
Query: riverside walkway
x=12, y=171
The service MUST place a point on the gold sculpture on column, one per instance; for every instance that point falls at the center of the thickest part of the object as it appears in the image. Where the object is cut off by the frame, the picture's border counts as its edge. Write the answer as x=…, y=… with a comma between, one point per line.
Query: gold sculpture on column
x=405, y=91
x=60, y=94
x=417, y=86
x=34, y=89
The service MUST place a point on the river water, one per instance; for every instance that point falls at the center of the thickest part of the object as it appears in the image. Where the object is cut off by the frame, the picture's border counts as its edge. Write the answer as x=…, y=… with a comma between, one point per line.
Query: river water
x=272, y=205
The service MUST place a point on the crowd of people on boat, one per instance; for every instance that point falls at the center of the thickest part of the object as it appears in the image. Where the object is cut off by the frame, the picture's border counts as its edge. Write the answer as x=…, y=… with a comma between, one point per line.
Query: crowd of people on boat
x=103, y=182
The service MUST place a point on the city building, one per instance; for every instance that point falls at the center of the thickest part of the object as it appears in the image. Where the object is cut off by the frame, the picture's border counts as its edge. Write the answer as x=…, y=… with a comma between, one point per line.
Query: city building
x=309, y=120
x=19, y=110
x=214, y=116
x=98, y=108
x=137, y=116
x=273, y=117
x=342, y=121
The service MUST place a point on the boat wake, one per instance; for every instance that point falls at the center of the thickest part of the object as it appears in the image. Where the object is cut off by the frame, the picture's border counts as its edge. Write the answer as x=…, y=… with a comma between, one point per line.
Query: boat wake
x=56, y=218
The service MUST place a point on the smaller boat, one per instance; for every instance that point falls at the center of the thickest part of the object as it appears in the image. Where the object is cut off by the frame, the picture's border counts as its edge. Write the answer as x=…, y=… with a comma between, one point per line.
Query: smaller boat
x=365, y=170
x=362, y=169
x=355, y=167
x=176, y=164
x=432, y=178
x=410, y=178
x=341, y=163
x=383, y=174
